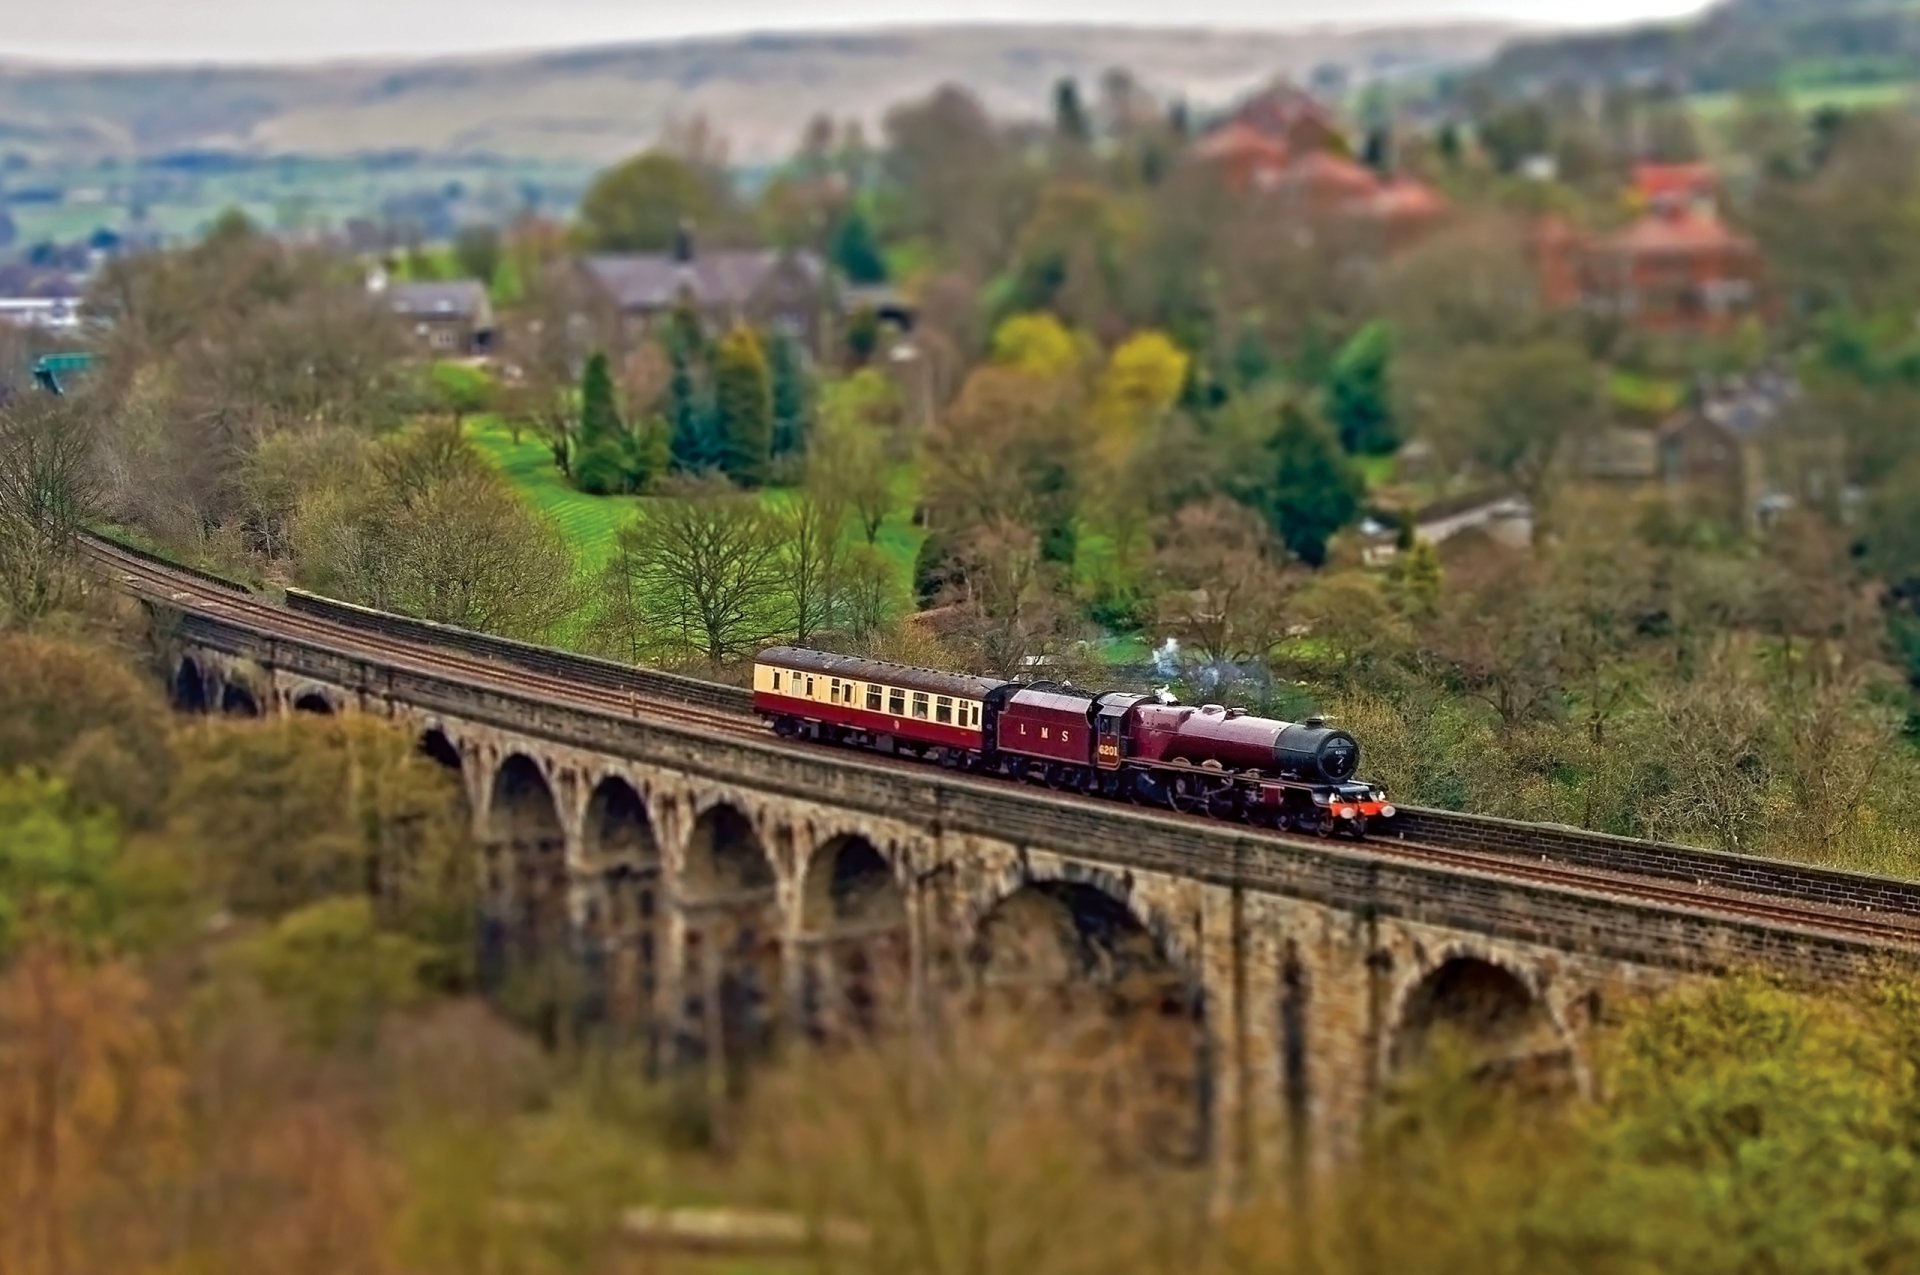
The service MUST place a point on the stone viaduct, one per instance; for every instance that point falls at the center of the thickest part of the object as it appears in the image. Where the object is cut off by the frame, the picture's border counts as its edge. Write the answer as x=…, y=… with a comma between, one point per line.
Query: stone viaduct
x=717, y=886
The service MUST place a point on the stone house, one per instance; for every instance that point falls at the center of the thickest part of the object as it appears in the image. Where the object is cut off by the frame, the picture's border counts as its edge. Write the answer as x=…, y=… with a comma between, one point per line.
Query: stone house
x=444, y=320
x=630, y=296
x=1743, y=453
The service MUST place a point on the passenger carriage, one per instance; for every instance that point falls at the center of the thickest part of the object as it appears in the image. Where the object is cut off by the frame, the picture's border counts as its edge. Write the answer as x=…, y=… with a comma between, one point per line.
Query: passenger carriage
x=874, y=704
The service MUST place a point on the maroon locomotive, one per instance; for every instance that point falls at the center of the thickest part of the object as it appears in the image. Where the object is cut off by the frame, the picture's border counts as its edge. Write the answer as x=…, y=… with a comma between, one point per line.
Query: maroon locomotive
x=1144, y=748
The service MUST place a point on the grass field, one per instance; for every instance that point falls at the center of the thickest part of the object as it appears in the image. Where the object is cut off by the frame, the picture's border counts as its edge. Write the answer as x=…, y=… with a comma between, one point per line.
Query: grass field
x=591, y=523
x=1713, y=108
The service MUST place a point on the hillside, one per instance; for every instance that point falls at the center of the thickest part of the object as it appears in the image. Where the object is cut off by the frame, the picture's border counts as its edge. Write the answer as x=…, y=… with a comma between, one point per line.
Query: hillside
x=595, y=105
x=1737, y=45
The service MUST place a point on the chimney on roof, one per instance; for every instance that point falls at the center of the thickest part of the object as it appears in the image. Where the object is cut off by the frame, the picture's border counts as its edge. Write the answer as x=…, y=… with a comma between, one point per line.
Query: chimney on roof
x=683, y=242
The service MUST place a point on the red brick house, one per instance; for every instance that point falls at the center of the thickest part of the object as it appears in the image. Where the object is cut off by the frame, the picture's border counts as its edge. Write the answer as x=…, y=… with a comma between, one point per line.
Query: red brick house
x=1675, y=269
x=1246, y=158
x=1293, y=117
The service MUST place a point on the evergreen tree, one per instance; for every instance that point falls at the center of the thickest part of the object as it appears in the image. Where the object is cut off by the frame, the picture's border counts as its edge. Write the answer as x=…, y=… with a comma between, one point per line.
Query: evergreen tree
x=856, y=251
x=689, y=429
x=1069, y=113
x=863, y=336
x=1253, y=362
x=599, y=414
x=792, y=395
x=1378, y=151
x=1309, y=489
x=743, y=407
x=1359, y=399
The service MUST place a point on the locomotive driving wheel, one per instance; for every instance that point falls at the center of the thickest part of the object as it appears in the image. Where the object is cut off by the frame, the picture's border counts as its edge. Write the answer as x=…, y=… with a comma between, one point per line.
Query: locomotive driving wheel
x=1185, y=790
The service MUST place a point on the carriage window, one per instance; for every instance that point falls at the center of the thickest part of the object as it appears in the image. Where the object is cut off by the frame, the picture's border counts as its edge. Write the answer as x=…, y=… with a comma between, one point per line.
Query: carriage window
x=943, y=710
x=896, y=701
x=776, y=679
x=920, y=705
x=809, y=688
x=976, y=714
x=873, y=699
x=833, y=691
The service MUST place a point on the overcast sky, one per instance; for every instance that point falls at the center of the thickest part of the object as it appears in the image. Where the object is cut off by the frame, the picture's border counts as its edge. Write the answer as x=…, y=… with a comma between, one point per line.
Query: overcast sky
x=306, y=30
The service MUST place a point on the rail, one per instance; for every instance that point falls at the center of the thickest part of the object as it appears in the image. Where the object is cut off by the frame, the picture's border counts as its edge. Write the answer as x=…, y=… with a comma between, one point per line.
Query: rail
x=1594, y=918
x=586, y=669
x=147, y=555
x=1443, y=829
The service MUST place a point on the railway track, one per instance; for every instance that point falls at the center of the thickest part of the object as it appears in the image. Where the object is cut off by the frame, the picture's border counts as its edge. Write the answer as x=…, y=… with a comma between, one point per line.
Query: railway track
x=162, y=582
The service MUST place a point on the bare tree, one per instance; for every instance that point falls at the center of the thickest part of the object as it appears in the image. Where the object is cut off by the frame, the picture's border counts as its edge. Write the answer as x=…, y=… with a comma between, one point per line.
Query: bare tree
x=813, y=556
x=1224, y=587
x=47, y=490
x=699, y=573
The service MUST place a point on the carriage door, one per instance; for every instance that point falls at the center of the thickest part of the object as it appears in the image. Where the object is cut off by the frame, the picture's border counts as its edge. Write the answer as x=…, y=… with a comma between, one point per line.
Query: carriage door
x=1107, y=740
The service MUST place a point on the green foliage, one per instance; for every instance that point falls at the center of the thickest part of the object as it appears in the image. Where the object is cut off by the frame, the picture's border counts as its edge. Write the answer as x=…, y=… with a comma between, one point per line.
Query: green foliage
x=1306, y=488
x=792, y=395
x=642, y=204
x=1359, y=401
x=599, y=413
x=461, y=390
x=296, y=810
x=78, y=714
x=863, y=336
x=855, y=249
x=601, y=468
x=58, y=880
x=743, y=403
x=336, y=970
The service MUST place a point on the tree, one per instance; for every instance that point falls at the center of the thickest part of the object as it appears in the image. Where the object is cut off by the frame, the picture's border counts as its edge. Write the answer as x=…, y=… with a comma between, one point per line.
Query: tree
x=293, y=811
x=1358, y=399
x=1070, y=121
x=743, y=406
x=1307, y=488
x=696, y=574
x=1224, y=589
x=1140, y=385
x=1038, y=344
x=792, y=395
x=461, y=391
x=855, y=250
x=644, y=204
x=57, y=868
x=599, y=413
x=95, y=1108
x=478, y=250
x=690, y=410
x=437, y=533
x=78, y=714
x=47, y=491
x=338, y=970
x=1511, y=411
x=852, y=452
x=812, y=528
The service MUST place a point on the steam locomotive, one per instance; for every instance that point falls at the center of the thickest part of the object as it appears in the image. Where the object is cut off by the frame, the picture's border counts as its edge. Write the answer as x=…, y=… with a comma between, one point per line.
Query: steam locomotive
x=1127, y=747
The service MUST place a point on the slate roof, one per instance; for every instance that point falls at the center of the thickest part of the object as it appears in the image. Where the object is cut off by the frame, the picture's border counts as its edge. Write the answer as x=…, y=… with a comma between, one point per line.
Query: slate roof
x=463, y=298
x=1745, y=411
x=720, y=277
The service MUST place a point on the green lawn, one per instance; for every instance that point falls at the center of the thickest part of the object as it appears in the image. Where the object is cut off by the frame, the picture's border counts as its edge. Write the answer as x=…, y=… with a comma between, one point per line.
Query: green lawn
x=1713, y=108
x=590, y=523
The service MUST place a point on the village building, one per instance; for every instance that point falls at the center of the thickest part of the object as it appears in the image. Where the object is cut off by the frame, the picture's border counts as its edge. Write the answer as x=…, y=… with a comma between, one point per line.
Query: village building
x=451, y=319
x=631, y=296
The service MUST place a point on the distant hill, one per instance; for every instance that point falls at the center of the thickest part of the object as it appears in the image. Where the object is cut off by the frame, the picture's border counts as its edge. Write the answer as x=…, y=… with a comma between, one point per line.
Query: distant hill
x=597, y=104
x=1737, y=45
